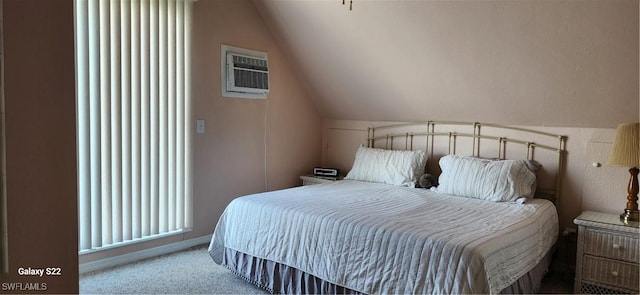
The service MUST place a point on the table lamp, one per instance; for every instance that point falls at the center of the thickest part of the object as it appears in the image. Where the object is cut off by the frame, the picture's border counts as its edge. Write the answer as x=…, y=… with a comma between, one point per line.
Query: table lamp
x=626, y=152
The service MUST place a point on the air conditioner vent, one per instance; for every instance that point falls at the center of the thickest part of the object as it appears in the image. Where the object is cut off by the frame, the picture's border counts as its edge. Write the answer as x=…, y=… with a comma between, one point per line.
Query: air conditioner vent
x=245, y=73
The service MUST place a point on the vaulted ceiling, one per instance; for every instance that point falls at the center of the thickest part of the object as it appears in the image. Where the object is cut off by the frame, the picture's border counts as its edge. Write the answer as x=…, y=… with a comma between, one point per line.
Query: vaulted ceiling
x=541, y=63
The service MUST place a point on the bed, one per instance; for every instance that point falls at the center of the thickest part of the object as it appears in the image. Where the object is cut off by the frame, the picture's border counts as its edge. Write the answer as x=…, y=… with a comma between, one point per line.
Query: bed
x=489, y=226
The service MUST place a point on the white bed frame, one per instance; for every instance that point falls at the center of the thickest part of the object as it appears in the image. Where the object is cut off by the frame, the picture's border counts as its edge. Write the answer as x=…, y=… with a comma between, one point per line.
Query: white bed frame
x=440, y=138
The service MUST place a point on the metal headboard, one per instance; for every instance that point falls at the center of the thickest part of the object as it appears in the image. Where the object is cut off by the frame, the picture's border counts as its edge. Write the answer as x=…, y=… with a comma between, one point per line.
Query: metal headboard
x=478, y=135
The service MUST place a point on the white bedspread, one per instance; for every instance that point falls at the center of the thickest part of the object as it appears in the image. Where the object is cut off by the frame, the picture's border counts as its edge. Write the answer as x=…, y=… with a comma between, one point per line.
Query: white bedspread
x=378, y=238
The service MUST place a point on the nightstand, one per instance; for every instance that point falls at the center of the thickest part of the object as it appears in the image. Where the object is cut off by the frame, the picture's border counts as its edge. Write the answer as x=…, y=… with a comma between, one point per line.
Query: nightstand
x=607, y=258
x=310, y=179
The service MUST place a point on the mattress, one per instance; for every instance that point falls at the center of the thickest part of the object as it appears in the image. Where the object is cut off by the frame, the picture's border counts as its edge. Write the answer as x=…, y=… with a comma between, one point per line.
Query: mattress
x=379, y=238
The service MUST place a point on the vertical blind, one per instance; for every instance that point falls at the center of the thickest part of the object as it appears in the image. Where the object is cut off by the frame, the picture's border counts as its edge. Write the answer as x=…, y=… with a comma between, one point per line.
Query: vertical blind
x=133, y=114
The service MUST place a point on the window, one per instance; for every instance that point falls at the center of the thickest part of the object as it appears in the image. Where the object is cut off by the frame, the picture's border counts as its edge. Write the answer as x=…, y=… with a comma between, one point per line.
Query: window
x=133, y=114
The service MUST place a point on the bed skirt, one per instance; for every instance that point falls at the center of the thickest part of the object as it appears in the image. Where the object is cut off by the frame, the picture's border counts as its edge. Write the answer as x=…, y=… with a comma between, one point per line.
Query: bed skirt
x=278, y=278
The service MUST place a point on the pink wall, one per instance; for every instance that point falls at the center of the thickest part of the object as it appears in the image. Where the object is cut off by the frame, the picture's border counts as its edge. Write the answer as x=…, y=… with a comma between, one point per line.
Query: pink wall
x=40, y=142
x=282, y=132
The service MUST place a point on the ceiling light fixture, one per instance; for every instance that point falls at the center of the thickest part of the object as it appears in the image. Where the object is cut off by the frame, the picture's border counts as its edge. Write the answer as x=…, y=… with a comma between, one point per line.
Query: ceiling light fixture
x=350, y=4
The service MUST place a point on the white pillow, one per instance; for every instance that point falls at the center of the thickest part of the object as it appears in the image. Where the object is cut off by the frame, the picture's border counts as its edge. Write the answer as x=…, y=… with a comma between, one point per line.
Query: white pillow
x=395, y=167
x=497, y=181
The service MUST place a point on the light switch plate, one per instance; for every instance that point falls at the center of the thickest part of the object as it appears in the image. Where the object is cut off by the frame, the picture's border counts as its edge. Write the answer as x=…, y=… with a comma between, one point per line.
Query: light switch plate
x=200, y=126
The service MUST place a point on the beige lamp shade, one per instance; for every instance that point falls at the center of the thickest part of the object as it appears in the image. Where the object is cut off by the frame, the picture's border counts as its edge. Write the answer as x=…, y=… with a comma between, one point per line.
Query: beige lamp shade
x=626, y=146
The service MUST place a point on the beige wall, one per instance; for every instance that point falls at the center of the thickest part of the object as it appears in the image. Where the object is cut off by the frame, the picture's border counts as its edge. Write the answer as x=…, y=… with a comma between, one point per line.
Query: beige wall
x=40, y=142
x=561, y=63
x=249, y=145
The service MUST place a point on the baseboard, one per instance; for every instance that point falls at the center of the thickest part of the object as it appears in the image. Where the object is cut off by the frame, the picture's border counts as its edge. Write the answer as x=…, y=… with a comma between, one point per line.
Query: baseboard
x=144, y=254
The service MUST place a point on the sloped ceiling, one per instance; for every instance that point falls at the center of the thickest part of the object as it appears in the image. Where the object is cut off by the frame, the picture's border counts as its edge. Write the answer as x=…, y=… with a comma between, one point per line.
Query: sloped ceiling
x=539, y=63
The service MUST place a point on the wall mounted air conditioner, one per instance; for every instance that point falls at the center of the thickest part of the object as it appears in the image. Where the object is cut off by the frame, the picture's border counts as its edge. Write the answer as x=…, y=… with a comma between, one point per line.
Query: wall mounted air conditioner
x=245, y=73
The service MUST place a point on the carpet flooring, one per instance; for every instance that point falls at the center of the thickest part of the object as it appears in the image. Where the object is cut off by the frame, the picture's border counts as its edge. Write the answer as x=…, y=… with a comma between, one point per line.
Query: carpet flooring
x=192, y=271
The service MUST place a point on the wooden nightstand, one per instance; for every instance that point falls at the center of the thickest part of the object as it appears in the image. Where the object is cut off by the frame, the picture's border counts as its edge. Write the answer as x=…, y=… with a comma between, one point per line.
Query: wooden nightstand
x=310, y=179
x=607, y=259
